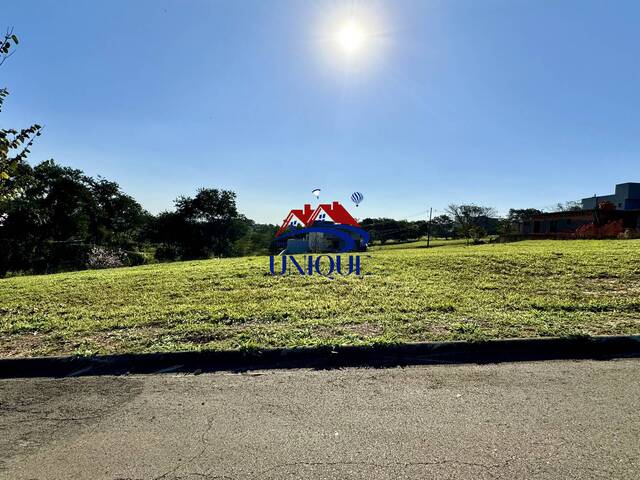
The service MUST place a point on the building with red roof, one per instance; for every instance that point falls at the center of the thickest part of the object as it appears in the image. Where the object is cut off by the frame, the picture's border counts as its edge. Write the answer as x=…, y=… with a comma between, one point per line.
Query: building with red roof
x=326, y=212
x=296, y=218
x=332, y=212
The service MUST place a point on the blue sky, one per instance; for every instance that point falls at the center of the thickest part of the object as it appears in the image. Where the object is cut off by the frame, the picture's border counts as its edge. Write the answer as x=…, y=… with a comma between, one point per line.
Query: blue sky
x=506, y=103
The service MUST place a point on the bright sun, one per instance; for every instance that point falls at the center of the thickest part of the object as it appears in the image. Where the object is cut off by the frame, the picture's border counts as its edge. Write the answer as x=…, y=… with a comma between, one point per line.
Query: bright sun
x=351, y=37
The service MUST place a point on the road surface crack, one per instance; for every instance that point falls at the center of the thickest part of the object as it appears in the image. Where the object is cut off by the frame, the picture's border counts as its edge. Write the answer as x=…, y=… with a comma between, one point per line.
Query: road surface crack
x=203, y=442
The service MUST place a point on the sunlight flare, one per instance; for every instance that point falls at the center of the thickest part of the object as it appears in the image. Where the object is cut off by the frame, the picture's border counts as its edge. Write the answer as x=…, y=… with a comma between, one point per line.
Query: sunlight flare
x=351, y=37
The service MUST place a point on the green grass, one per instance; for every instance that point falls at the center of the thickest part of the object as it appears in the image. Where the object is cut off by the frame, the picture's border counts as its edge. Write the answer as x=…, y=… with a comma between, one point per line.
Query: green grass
x=527, y=289
x=422, y=243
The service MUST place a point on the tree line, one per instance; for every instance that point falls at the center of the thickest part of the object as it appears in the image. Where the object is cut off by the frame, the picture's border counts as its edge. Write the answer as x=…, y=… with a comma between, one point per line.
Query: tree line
x=61, y=219
x=57, y=218
x=472, y=222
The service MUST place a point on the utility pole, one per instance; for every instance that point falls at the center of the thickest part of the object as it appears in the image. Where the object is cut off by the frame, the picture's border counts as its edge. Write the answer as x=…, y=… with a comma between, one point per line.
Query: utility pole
x=429, y=228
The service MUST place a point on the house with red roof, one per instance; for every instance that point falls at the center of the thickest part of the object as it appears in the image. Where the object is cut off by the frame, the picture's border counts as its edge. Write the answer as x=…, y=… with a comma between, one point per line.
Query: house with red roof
x=326, y=213
x=296, y=218
x=334, y=213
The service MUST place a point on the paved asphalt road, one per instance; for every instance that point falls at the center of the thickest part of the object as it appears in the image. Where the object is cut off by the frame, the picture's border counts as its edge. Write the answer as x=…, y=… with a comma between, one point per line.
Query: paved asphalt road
x=562, y=419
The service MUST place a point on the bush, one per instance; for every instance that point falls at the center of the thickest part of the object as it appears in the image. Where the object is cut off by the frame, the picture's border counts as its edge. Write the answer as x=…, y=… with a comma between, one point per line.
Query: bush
x=134, y=258
x=101, y=257
x=629, y=233
x=48, y=257
x=609, y=230
x=167, y=253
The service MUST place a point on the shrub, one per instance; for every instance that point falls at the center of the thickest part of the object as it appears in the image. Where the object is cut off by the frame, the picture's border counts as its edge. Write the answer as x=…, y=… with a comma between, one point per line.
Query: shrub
x=134, y=258
x=609, y=230
x=629, y=233
x=167, y=253
x=101, y=257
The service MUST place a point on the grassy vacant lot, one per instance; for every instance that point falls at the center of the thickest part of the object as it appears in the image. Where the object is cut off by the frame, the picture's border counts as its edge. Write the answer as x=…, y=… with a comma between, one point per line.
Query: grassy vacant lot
x=435, y=242
x=544, y=288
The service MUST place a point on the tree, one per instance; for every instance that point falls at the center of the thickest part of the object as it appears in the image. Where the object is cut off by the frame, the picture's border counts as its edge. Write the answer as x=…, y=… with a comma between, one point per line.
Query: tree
x=117, y=218
x=209, y=204
x=442, y=226
x=257, y=240
x=470, y=220
x=516, y=216
x=60, y=215
x=6, y=45
x=385, y=229
x=570, y=206
x=201, y=226
x=14, y=144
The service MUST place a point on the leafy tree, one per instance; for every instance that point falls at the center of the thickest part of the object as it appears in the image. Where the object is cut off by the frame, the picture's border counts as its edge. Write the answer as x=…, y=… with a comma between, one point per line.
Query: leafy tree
x=209, y=204
x=385, y=229
x=471, y=221
x=257, y=240
x=442, y=226
x=9, y=42
x=201, y=226
x=381, y=229
x=506, y=227
x=570, y=206
x=117, y=218
x=14, y=143
x=517, y=215
x=58, y=216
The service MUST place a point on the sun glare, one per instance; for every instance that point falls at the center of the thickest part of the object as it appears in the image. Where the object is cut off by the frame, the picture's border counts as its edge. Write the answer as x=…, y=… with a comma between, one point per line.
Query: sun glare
x=351, y=37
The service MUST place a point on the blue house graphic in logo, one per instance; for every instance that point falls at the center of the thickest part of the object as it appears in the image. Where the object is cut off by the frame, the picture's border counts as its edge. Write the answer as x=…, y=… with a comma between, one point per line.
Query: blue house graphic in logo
x=329, y=228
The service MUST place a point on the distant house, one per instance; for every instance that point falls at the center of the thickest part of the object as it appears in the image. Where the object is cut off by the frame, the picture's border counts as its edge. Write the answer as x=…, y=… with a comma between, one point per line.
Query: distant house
x=324, y=214
x=623, y=206
x=627, y=197
x=556, y=222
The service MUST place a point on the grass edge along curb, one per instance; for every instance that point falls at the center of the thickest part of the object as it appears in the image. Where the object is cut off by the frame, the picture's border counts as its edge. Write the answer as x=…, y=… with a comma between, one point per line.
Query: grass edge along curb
x=377, y=356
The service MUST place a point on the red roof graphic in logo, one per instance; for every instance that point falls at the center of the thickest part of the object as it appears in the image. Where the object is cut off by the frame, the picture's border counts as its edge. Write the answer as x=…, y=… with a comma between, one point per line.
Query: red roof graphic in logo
x=296, y=218
x=333, y=212
x=325, y=212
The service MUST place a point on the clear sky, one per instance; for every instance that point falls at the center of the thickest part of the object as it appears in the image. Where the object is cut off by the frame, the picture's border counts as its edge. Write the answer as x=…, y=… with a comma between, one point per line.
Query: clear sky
x=505, y=103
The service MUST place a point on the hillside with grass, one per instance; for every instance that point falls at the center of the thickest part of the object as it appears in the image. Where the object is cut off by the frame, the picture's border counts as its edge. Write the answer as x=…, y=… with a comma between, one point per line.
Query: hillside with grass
x=453, y=292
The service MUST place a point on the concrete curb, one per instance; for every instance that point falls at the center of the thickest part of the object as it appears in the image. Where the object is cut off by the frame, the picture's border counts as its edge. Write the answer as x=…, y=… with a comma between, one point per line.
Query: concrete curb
x=377, y=356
